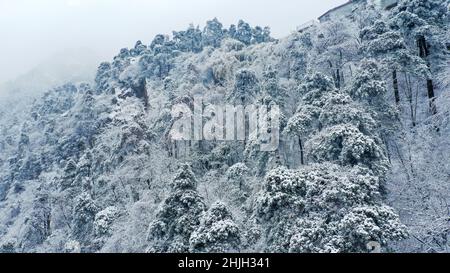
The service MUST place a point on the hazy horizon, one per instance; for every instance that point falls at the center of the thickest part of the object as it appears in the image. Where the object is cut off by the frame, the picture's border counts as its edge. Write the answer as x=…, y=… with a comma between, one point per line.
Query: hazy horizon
x=37, y=30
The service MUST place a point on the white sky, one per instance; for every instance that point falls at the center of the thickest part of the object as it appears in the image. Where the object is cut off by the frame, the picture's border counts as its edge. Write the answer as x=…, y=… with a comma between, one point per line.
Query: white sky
x=31, y=31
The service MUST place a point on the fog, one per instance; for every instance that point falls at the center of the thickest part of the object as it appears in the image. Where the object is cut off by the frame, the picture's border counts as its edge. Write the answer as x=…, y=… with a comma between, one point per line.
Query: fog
x=34, y=31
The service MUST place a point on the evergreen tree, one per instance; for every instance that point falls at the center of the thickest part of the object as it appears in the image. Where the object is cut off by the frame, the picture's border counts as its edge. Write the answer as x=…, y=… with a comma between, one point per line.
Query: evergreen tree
x=336, y=128
x=213, y=33
x=243, y=33
x=271, y=87
x=261, y=35
x=217, y=233
x=102, y=77
x=189, y=40
x=179, y=215
x=418, y=21
x=315, y=89
x=246, y=87
x=369, y=88
x=83, y=219
x=324, y=208
x=38, y=227
x=388, y=47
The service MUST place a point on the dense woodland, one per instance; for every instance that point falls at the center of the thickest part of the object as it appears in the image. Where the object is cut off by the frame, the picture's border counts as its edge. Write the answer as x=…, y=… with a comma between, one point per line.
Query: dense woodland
x=364, y=153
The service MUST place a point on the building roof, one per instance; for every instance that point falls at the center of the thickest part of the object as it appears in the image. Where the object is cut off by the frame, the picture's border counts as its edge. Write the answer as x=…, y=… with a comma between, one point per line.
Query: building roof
x=306, y=25
x=336, y=8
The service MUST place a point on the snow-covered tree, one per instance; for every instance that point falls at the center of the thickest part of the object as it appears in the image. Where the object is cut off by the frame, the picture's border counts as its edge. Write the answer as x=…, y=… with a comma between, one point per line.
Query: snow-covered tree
x=389, y=48
x=38, y=227
x=315, y=89
x=335, y=49
x=89, y=169
x=246, y=87
x=261, y=35
x=367, y=85
x=217, y=233
x=243, y=32
x=324, y=208
x=346, y=145
x=419, y=21
x=272, y=87
x=179, y=215
x=237, y=173
x=369, y=88
x=336, y=128
x=139, y=48
x=83, y=218
x=104, y=220
x=213, y=33
x=189, y=40
x=102, y=77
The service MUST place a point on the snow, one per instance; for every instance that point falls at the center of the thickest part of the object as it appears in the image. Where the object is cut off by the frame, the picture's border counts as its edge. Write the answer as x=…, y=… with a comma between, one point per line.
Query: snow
x=92, y=168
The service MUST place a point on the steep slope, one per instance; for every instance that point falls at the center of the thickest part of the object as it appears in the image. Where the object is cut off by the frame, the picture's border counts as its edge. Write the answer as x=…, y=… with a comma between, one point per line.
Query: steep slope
x=95, y=168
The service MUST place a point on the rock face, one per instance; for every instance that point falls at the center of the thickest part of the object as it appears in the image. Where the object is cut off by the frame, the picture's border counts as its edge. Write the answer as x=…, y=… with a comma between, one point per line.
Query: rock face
x=93, y=168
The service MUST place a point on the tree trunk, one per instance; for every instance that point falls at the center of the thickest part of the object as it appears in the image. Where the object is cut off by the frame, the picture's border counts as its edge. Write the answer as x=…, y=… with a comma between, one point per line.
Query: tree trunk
x=338, y=79
x=302, y=153
x=424, y=53
x=396, y=89
x=430, y=88
x=409, y=95
x=175, y=148
x=334, y=75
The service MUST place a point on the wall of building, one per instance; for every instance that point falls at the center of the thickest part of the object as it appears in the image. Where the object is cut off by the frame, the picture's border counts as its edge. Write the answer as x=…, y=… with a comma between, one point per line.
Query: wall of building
x=385, y=4
x=352, y=6
x=342, y=11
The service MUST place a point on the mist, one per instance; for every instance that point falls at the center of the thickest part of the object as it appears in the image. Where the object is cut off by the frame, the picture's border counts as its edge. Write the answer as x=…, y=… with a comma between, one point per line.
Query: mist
x=34, y=33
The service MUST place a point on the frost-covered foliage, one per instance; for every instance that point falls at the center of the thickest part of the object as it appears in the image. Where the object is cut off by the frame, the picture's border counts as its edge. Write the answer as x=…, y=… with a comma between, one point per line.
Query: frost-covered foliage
x=335, y=128
x=368, y=85
x=217, y=232
x=422, y=24
x=246, y=87
x=178, y=217
x=104, y=219
x=94, y=168
x=334, y=49
x=324, y=208
x=389, y=47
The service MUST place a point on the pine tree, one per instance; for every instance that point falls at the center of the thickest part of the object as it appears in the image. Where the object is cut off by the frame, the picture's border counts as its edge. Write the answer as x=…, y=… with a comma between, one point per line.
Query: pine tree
x=217, y=233
x=246, y=87
x=368, y=88
x=213, y=33
x=388, y=47
x=368, y=85
x=324, y=208
x=418, y=21
x=178, y=217
x=189, y=40
x=104, y=220
x=83, y=218
x=261, y=35
x=102, y=77
x=315, y=89
x=38, y=226
x=70, y=173
x=336, y=128
x=243, y=33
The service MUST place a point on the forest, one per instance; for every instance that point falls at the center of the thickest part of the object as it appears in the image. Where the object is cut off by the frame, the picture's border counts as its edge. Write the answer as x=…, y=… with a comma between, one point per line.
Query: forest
x=363, y=154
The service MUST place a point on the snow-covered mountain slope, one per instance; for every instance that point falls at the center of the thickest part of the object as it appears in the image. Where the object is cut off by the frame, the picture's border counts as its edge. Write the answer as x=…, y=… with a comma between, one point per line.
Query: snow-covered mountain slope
x=94, y=168
x=71, y=65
